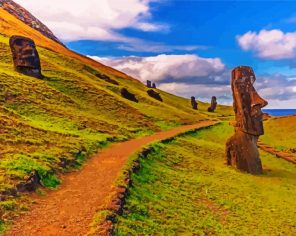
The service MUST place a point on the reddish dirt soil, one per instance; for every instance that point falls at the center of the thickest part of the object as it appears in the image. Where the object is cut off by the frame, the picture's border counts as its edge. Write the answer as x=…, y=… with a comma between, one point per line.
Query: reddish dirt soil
x=69, y=210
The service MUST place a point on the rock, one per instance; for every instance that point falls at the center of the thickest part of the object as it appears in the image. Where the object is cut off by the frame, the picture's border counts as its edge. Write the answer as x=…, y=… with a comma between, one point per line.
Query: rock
x=241, y=148
x=148, y=84
x=25, y=56
x=31, y=183
x=213, y=106
x=106, y=78
x=126, y=94
x=154, y=85
x=154, y=95
x=193, y=103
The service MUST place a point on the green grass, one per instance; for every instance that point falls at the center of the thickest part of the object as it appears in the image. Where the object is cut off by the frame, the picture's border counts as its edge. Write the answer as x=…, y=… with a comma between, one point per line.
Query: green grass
x=184, y=188
x=71, y=109
x=280, y=133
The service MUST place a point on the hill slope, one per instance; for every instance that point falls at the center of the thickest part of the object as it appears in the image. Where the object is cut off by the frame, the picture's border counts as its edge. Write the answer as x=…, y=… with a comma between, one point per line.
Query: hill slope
x=48, y=125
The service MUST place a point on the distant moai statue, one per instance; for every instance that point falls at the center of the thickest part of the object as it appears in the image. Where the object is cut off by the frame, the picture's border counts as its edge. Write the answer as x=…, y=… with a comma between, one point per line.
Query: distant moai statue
x=193, y=103
x=154, y=85
x=213, y=106
x=154, y=94
x=149, y=84
x=241, y=148
x=128, y=95
x=25, y=56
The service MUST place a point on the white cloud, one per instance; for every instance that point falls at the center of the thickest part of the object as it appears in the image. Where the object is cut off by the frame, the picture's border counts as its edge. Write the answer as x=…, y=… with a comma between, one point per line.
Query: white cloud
x=201, y=92
x=169, y=67
x=269, y=44
x=92, y=19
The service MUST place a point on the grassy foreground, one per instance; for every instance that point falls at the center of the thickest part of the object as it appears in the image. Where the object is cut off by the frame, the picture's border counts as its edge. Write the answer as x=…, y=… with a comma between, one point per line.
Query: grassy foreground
x=183, y=188
x=280, y=133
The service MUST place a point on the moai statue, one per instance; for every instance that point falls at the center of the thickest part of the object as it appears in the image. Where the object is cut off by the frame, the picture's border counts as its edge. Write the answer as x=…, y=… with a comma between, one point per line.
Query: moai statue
x=25, y=56
x=213, y=106
x=149, y=84
x=128, y=95
x=154, y=95
x=193, y=103
x=154, y=85
x=241, y=148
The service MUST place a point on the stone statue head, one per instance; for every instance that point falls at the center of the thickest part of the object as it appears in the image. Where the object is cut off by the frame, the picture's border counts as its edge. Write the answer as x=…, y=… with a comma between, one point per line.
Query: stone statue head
x=214, y=103
x=25, y=56
x=247, y=103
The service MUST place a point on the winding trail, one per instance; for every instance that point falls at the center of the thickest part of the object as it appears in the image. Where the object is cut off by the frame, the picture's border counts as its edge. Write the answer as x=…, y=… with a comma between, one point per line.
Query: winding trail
x=279, y=154
x=68, y=211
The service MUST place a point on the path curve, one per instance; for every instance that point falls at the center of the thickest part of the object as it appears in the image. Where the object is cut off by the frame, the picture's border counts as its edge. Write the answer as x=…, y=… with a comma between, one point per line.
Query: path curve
x=68, y=211
x=279, y=154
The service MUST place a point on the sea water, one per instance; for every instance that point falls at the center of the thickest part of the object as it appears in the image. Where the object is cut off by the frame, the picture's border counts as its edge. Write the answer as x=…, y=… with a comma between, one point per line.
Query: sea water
x=280, y=112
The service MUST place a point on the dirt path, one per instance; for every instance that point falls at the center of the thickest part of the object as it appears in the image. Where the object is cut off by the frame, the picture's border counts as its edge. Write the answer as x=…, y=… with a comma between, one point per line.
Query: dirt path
x=69, y=210
x=280, y=154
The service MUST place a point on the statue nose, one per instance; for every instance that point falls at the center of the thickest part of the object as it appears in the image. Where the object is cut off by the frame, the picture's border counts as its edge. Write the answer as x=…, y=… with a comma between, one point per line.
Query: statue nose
x=257, y=100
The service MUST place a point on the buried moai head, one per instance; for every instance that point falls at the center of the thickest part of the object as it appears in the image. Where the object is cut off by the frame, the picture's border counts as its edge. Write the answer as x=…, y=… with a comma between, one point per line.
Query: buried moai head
x=154, y=95
x=193, y=103
x=25, y=56
x=247, y=103
x=213, y=106
x=241, y=148
x=128, y=95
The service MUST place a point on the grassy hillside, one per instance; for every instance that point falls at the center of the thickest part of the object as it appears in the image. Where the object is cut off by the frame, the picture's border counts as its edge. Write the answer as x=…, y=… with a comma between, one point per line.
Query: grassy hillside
x=280, y=133
x=184, y=188
x=60, y=120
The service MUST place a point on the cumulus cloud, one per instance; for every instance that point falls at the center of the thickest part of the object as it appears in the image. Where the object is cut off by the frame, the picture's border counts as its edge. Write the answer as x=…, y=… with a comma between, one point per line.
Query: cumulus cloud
x=164, y=68
x=93, y=19
x=269, y=44
x=202, y=92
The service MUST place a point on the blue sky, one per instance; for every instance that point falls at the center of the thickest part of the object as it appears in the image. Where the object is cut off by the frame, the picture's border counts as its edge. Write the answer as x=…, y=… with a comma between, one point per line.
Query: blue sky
x=186, y=47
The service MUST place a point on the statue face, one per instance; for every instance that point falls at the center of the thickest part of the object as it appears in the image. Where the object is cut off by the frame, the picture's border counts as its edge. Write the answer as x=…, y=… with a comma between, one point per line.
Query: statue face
x=214, y=102
x=247, y=102
x=25, y=55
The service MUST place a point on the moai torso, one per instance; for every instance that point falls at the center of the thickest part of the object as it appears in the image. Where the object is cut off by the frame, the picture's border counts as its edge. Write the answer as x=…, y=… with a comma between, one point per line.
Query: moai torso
x=241, y=148
x=193, y=103
x=213, y=106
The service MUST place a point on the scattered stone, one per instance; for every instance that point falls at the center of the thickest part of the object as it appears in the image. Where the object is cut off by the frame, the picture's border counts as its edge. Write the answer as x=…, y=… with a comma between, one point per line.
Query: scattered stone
x=106, y=78
x=101, y=76
x=154, y=95
x=193, y=103
x=25, y=56
x=241, y=148
x=126, y=94
x=31, y=183
x=213, y=106
x=149, y=84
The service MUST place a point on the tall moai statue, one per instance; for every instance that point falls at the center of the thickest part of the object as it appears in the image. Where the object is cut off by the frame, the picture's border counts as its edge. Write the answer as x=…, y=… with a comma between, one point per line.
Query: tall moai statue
x=193, y=103
x=241, y=148
x=213, y=106
x=154, y=85
x=25, y=56
x=149, y=84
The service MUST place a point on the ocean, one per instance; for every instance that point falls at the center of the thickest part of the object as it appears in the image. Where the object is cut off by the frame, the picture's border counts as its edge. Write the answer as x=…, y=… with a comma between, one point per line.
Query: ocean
x=280, y=112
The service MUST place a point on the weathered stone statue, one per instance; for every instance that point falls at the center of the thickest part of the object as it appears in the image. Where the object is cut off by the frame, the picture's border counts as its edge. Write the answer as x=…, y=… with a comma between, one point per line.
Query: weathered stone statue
x=149, y=84
x=213, y=106
x=128, y=95
x=241, y=148
x=154, y=85
x=193, y=103
x=154, y=95
x=25, y=56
